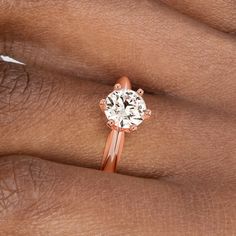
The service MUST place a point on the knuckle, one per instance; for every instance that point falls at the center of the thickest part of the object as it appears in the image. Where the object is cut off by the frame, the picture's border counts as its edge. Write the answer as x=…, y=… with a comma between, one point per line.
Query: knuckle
x=14, y=84
x=9, y=192
x=24, y=183
x=24, y=93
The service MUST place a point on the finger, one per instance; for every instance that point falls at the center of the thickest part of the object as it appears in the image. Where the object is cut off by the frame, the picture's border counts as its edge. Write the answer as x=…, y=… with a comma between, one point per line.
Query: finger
x=218, y=14
x=43, y=198
x=152, y=44
x=48, y=115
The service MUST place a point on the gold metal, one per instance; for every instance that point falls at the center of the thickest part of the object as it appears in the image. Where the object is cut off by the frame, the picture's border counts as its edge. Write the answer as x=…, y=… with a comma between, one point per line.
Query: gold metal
x=102, y=104
x=133, y=128
x=110, y=124
x=113, y=150
x=140, y=92
x=117, y=86
x=147, y=114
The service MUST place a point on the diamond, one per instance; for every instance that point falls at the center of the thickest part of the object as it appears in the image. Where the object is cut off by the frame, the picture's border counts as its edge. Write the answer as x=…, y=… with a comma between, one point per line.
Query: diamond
x=125, y=107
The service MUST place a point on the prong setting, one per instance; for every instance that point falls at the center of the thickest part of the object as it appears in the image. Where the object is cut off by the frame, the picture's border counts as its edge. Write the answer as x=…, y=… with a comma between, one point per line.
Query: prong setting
x=140, y=92
x=111, y=124
x=102, y=104
x=133, y=128
x=117, y=86
x=147, y=114
x=125, y=109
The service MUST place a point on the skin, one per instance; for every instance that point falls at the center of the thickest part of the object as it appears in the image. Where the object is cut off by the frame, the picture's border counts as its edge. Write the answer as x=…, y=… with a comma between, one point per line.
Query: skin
x=177, y=173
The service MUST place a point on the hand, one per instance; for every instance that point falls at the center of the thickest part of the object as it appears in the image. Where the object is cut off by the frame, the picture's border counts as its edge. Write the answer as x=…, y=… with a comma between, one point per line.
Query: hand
x=74, y=53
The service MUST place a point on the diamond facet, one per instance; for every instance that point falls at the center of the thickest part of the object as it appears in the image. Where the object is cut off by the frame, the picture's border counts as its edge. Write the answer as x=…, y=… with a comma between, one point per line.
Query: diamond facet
x=126, y=107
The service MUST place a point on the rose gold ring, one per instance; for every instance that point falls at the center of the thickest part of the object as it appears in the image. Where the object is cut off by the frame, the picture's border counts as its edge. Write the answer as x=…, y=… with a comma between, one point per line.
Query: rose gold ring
x=125, y=109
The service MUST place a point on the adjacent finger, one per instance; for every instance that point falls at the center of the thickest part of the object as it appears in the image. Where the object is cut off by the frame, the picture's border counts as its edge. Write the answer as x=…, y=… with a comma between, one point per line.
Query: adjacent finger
x=43, y=198
x=218, y=14
x=48, y=115
x=155, y=46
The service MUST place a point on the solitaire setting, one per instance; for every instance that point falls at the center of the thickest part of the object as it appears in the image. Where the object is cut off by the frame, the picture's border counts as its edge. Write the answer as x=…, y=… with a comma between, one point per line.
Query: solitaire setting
x=125, y=109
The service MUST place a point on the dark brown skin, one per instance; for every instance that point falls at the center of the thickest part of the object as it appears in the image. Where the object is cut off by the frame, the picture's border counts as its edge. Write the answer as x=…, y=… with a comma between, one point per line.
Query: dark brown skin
x=49, y=118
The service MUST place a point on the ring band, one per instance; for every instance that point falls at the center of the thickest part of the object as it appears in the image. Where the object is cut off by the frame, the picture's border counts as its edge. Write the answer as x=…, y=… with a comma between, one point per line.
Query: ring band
x=125, y=109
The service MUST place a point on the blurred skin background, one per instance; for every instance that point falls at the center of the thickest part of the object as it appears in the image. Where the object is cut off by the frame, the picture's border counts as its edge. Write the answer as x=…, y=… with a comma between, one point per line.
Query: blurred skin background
x=177, y=172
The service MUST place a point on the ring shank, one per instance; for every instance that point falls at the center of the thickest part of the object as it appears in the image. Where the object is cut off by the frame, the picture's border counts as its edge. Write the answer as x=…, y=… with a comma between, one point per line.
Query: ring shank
x=113, y=150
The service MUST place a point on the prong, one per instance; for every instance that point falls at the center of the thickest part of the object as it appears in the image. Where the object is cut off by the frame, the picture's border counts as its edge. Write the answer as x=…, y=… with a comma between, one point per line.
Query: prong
x=140, y=92
x=102, y=104
x=133, y=128
x=110, y=123
x=147, y=114
x=117, y=86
